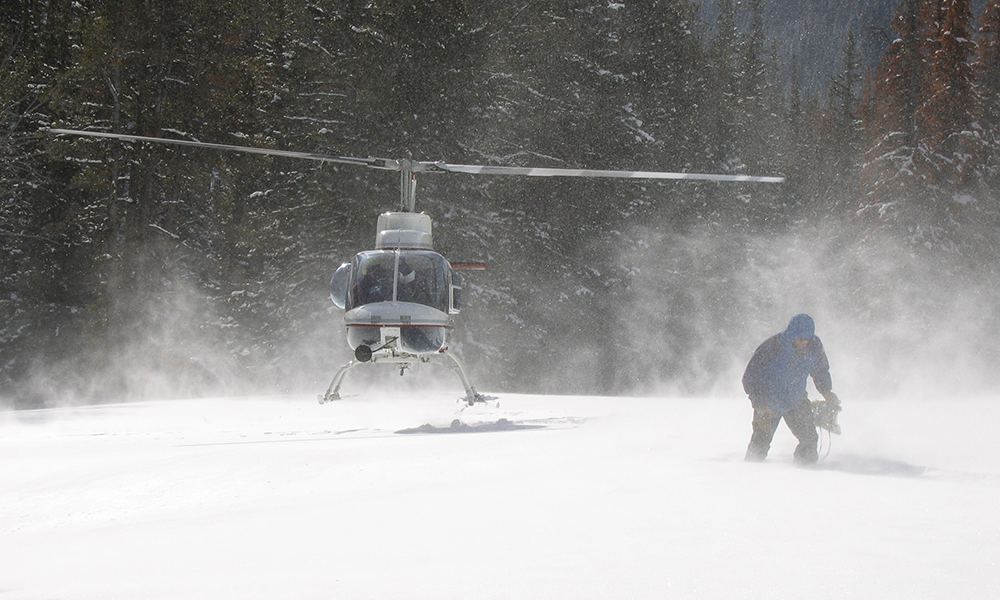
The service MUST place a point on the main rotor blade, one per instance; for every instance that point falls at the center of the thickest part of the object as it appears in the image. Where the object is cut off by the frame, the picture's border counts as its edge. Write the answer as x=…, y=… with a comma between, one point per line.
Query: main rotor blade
x=375, y=163
x=554, y=172
x=431, y=166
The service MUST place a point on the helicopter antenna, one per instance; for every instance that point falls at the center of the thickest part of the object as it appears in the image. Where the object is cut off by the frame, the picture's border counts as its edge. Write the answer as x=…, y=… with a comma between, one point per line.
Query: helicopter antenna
x=409, y=168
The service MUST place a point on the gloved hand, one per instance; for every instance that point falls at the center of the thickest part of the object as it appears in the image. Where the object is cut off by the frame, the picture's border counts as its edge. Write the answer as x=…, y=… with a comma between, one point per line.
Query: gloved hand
x=832, y=399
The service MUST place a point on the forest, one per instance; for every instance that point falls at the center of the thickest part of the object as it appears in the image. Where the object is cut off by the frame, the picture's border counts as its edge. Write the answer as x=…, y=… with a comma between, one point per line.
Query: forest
x=135, y=270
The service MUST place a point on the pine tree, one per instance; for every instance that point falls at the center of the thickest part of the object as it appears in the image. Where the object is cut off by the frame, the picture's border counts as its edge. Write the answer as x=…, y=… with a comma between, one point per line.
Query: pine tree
x=951, y=135
x=890, y=120
x=43, y=281
x=725, y=73
x=925, y=159
x=800, y=139
x=663, y=65
x=987, y=70
x=844, y=108
x=832, y=146
x=754, y=117
x=169, y=228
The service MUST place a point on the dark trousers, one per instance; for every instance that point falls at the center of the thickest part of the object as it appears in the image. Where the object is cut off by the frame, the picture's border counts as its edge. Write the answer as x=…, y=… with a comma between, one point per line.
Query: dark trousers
x=802, y=423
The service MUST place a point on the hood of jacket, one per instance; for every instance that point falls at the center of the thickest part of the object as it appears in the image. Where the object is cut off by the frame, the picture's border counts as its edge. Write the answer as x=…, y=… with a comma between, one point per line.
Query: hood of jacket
x=801, y=327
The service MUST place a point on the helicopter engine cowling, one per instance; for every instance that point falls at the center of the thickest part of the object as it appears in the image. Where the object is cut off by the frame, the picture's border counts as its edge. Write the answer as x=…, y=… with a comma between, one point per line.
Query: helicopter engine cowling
x=404, y=230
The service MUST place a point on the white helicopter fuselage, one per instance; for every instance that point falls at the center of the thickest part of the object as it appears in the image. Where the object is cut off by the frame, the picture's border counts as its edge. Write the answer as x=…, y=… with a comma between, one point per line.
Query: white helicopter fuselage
x=400, y=298
x=399, y=301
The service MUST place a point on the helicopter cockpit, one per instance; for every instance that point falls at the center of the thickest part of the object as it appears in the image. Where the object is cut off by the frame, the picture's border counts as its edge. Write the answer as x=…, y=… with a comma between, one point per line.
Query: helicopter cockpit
x=397, y=298
x=413, y=276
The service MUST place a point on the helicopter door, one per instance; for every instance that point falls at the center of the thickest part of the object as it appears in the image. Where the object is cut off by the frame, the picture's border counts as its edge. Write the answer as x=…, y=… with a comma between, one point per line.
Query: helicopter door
x=455, y=294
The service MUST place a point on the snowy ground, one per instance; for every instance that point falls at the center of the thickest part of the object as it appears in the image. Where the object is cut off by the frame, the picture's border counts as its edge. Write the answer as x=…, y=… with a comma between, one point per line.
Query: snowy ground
x=614, y=498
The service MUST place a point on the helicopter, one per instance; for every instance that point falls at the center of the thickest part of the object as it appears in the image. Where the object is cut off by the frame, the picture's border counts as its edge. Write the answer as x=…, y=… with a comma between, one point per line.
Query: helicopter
x=400, y=298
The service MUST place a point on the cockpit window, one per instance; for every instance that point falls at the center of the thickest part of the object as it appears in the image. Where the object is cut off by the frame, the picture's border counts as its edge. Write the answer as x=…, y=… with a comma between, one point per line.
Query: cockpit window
x=372, y=276
x=422, y=279
x=404, y=275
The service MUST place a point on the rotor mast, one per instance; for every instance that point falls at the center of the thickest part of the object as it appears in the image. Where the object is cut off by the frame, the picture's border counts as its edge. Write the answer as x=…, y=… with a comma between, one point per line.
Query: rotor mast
x=407, y=186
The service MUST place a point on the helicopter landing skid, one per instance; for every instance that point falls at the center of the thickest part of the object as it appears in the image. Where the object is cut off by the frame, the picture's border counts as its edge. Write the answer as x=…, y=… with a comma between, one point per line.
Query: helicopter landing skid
x=472, y=397
x=477, y=398
x=333, y=392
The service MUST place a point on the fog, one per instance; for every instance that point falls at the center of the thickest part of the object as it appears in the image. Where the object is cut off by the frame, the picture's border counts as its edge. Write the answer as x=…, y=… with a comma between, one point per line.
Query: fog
x=897, y=320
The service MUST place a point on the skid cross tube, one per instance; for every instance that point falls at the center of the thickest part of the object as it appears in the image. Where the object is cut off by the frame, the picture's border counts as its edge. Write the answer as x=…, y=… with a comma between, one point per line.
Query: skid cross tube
x=445, y=358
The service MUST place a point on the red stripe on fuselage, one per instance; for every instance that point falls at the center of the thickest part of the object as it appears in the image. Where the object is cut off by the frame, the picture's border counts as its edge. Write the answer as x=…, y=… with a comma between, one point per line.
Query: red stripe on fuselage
x=392, y=325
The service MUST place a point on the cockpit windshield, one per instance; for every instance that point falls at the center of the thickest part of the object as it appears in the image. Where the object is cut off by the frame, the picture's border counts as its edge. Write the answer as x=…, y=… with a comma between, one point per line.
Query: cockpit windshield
x=417, y=276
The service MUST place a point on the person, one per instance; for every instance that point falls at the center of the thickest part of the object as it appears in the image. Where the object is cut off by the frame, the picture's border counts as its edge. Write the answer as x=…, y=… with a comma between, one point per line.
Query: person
x=375, y=283
x=413, y=285
x=775, y=379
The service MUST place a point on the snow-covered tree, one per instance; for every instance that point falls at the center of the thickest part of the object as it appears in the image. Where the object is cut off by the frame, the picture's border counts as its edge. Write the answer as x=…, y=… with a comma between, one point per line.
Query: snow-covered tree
x=888, y=173
x=845, y=92
x=725, y=73
x=40, y=288
x=987, y=70
x=951, y=136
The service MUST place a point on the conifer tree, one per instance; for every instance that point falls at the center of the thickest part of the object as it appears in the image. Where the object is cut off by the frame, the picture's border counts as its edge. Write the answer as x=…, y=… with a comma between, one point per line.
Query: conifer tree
x=753, y=119
x=169, y=228
x=890, y=119
x=800, y=141
x=664, y=87
x=725, y=74
x=987, y=71
x=835, y=159
x=42, y=278
x=844, y=100
x=951, y=136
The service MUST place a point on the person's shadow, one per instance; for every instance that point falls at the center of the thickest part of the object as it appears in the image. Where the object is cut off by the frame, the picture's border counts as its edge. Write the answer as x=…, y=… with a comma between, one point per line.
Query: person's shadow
x=870, y=465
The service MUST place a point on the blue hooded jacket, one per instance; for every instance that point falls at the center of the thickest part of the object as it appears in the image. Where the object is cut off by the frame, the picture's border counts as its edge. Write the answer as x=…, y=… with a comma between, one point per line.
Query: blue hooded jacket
x=777, y=374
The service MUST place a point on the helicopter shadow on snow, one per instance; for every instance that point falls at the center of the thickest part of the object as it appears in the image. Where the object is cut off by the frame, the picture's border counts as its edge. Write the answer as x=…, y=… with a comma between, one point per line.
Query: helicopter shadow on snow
x=502, y=424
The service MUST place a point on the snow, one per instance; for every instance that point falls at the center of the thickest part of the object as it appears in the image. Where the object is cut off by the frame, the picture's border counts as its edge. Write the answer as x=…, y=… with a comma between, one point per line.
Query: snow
x=279, y=497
